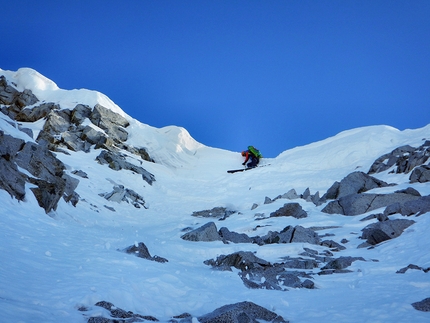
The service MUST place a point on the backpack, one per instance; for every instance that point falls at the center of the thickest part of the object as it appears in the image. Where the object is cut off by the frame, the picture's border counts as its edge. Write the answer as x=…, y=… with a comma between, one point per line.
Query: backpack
x=255, y=151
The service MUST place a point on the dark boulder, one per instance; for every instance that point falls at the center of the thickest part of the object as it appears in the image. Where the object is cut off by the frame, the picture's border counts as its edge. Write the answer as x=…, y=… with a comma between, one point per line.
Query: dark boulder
x=290, y=209
x=289, y=234
x=207, y=232
x=420, y=174
x=381, y=231
x=244, y=312
x=356, y=182
x=355, y=204
x=141, y=250
x=423, y=305
x=234, y=237
x=118, y=162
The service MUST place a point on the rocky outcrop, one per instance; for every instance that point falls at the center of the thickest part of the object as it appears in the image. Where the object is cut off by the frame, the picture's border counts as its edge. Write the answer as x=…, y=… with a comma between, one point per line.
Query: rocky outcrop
x=239, y=312
x=402, y=159
x=289, y=234
x=117, y=162
x=14, y=100
x=384, y=230
x=412, y=266
x=290, y=209
x=117, y=315
x=257, y=273
x=207, y=232
x=420, y=174
x=122, y=194
x=423, y=305
x=47, y=173
x=354, y=183
x=339, y=265
x=112, y=123
x=355, y=204
x=218, y=212
x=141, y=250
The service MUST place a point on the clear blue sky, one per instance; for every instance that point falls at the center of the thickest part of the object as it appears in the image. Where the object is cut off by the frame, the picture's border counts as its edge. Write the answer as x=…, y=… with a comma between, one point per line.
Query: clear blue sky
x=274, y=74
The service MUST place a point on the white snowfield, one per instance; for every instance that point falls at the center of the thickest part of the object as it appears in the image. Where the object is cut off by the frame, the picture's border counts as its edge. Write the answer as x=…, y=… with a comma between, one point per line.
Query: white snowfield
x=51, y=265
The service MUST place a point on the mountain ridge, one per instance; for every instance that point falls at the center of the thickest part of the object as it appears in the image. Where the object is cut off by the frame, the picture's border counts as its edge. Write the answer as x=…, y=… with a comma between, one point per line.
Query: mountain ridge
x=75, y=249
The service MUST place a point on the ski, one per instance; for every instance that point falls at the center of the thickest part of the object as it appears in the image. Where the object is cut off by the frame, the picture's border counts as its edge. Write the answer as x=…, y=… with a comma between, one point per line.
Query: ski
x=243, y=169
x=231, y=171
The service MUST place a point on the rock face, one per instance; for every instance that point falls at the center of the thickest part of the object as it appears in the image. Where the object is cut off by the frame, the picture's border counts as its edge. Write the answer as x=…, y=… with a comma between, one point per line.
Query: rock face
x=79, y=129
x=355, y=204
x=118, y=162
x=381, y=231
x=47, y=173
x=354, y=183
x=403, y=159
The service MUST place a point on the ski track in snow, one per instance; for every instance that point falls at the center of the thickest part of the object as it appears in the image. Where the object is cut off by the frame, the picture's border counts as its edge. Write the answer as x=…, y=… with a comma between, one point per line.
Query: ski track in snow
x=53, y=264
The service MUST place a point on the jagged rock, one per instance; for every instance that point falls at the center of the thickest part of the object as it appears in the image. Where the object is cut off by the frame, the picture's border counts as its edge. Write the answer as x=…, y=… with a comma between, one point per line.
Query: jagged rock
x=290, y=209
x=93, y=136
x=54, y=126
x=355, y=204
x=289, y=234
x=118, y=162
x=207, y=232
x=51, y=182
x=405, y=158
x=423, y=305
x=122, y=194
x=218, y=212
x=299, y=263
x=420, y=174
x=7, y=92
x=334, y=246
x=242, y=260
x=36, y=113
x=80, y=113
x=118, y=315
x=267, y=200
x=111, y=122
x=356, y=182
x=381, y=231
x=141, y=250
x=306, y=194
x=244, y=312
x=234, y=237
x=291, y=195
x=39, y=161
x=412, y=266
x=341, y=263
x=72, y=140
x=11, y=179
x=258, y=273
x=418, y=206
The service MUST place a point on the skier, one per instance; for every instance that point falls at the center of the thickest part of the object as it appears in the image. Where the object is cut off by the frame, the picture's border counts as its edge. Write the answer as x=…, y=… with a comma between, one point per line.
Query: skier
x=249, y=155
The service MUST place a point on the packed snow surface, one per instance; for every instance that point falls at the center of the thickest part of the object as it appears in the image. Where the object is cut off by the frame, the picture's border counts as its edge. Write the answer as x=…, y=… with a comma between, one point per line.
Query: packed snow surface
x=52, y=265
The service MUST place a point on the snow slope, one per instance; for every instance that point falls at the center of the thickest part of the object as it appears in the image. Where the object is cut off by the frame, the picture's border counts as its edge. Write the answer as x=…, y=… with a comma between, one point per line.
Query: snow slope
x=51, y=265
